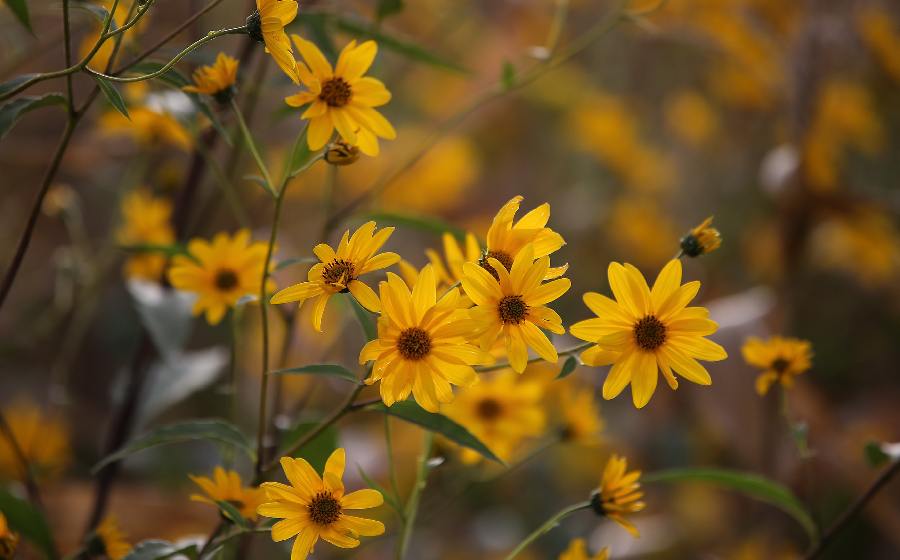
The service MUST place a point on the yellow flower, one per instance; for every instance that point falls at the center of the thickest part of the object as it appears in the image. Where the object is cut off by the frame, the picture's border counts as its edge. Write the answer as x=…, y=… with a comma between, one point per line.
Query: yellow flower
x=449, y=269
x=266, y=25
x=341, y=97
x=147, y=127
x=339, y=271
x=701, y=240
x=8, y=540
x=619, y=493
x=881, y=36
x=220, y=272
x=43, y=439
x=216, y=80
x=226, y=486
x=513, y=308
x=111, y=540
x=421, y=346
x=581, y=421
x=312, y=507
x=864, y=242
x=507, y=237
x=501, y=411
x=578, y=551
x=690, y=118
x=146, y=220
x=781, y=359
x=638, y=227
x=644, y=331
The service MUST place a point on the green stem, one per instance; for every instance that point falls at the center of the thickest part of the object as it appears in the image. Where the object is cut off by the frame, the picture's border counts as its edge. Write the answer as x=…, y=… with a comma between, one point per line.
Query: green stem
x=392, y=470
x=412, y=504
x=547, y=527
x=568, y=351
x=251, y=145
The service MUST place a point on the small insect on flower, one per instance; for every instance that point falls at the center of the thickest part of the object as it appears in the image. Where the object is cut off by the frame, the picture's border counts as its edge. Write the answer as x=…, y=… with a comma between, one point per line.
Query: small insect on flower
x=578, y=551
x=43, y=440
x=619, y=494
x=216, y=80
x=339, y=271
x=8, y=540
x=266, y=25
x=781, y=359
x=146, y=220
x=512, y=306
x=226, y=486
x=220, y=272
x=108, y=540
x=342, y=97
x=314, y=507
x=701, y=240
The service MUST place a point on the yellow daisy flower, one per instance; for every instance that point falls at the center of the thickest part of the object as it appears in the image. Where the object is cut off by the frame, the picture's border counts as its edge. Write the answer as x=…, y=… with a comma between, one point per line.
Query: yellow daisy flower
x=339, y=271
x=8, y=540
x=341, y=97
x=501, y=411
x=644, y=331
x=701, y=240
x=43, y=439
x=513, y=308
x=506, y=237
x=421, y=346
x=109, y=540
x=619, y=494
x=220, y=272
x=216, y=80
x=226, y=486
x=578, y=551
x=781, y=359
x=581, y=421
x=312, y=507
x=266, y=25
x=146, y=219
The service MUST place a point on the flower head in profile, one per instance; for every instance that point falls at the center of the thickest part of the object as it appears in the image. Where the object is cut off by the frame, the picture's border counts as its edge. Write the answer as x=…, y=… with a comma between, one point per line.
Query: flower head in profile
x=580, y=415
x=507, y=237
x=313, y=507
x=421, y=346
x=219, y=272
x=109, y=540
x=8, y=540
x=339, y=271
x=146, y=220
x=619, y=494
x=266, y=25
x=449, y=268
x=341, y=97
x=512, y=307
x=216, y=80
x=701, y=240
x=43, y=439
x=644, y=331
x=780, y=359
x=578, y=551
x=226, y=486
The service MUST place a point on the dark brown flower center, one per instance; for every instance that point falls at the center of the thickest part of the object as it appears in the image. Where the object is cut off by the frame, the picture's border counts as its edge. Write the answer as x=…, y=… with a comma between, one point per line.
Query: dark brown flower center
x=505, y=259
x=226, y=280
x=414, y=343
x=338, y=271
x=324, y=509
x=649, y=333
x=489, y=409
x=336, y=92
x=512, y=309
x=780, y=365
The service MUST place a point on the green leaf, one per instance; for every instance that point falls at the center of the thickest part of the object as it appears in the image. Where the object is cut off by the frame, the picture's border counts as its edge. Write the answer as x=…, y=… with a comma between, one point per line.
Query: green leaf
x=388, y=496
x=12, y=111
x=875, y=455
x=365, y=318
x=329, y=370
x=508, y=75
x=301, y=155
x=388, y=8
x=430, y=224
x=112, y=95
x=27, y=521
x=749, y=484
x=20, y=9
x=437, y=423
x=99, y=12
x=291, y=262
x=232, y=513
x=319, y=449
x=568, y=367
x=9, y=85
x=191, y=430
x=161, y=550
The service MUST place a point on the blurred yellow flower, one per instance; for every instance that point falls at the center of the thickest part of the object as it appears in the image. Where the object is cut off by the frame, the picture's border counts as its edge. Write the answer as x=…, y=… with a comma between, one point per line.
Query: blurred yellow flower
x=146, y=220
x=110, y=540
x=342, y=97
x=581, y=421
x=314, y=507
x=881, y=36
x=226, y=486
x=220, y=272
x=266, y=25
x=339, y=271
x=149, y=128
x=619, y=494
x=449, y=269
x=690, y=117
x=100, y=60
x=578, y=551
x=639, y=229
x=216, y=80
x=864, y=244
x=645, y=331
x=8, y=540
x=781, y=359
x=701, y=240
x=507, y=237
x=42, y=439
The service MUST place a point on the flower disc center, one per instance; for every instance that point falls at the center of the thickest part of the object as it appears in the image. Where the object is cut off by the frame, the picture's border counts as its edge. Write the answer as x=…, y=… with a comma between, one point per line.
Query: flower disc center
x=338, y=272
x=336, y=92
x=324, y=509
x=226, y=280
x=414, y=343
x=489, y=409
x=780, y=365
x=649, y=333
x=512, y=309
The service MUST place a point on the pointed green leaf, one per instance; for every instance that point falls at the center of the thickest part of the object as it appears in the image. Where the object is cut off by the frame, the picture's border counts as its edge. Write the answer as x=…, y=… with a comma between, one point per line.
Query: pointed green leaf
x=232, y=513
x=301, y=155
x=365, y=318
x=113, y=96
x=26, y=520
x=96, y=10
x=12, y=111
x=10, y=85
x=329, y=370
x=568, y=367
x=19, y=8
x=319, y=449
x=161, y=550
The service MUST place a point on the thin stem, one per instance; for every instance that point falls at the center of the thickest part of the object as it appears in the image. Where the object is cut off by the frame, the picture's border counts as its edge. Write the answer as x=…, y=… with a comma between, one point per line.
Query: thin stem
x=392, y=470
x=67, y=45
x=31, y=485
x=547, y=527
x=251, y=145
x=568, y=351
x=412, y=503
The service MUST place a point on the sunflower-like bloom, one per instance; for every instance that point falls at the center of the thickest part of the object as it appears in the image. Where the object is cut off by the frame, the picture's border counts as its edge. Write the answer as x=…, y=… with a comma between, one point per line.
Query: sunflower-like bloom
x=513, y=307
x=147, y=127
x=43, y=439
x=421, y=346
x=109, y=540
x=312, y=507
x=701, y=240
x=581, y=420
x=506, y=237
x=220, y=273
x=339, y=271
x=781, y=359
x=645, y=331
x=146, y=219
x=266, y=25
x=8, y=540
x=578, y=551
x=341, y=97
x=216, y=80
x=619, y=493
x=226, y=486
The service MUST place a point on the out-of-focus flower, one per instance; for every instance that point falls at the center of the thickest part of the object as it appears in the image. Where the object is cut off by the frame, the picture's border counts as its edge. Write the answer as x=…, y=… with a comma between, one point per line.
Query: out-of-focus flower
x=640, y=229
x=266, y=25
x=146, y=220
x=42, y=439
x=60, y=198
x=864, y=244
x=881, y=36
x=514, y=308
x=701, y=240
x=455, y=256
x=8, y=540
x=314, y=507
x=646, y=331
x=220, y=272
x=216, y=80
x=619, y=494
x=578, y=550
x=501, y=411
x=339, y=271
x=507, y=237
x=342, y=97
x=226, y=486
x=781, y=359
x=690, y=117
x=149, y=128
x=100, y=60
x=109, y=540
x=422, y=345
x=581, y=421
